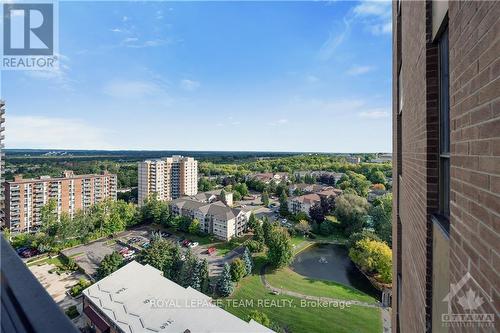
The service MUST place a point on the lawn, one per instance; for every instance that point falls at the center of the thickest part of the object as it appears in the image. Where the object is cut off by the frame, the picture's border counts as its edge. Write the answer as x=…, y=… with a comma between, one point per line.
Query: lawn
x=224, y=248
x=56, y=261
x=287, y=279
x=291, y=312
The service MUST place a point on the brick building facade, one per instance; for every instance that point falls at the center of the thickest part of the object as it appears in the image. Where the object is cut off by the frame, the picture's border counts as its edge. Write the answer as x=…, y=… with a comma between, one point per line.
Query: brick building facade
x=25, y=198
x=446, y=158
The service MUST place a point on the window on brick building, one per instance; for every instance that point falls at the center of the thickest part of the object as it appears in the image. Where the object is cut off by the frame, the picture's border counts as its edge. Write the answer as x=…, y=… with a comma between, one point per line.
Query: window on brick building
x=444, y=126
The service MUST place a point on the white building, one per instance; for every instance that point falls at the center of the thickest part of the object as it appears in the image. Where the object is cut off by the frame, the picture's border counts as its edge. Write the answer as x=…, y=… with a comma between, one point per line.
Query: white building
x=169, y=178
x=137, y=298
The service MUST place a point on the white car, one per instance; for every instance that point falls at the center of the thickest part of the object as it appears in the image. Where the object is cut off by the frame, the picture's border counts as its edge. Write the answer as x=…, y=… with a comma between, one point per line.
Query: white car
x=193, y=245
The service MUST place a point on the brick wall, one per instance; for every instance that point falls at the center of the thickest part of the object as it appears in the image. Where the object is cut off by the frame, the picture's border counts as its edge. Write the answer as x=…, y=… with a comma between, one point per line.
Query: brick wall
x=474, y=32
x=475, y=154
x=411, y=188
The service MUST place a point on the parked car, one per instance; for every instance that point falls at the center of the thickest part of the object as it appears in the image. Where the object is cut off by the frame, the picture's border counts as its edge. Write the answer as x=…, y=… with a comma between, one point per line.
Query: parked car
x=128, y=254
x=211, y=250
x=165, y=234
x=123, y=250
x=22, y=249
x=193, y=245
x=186, y=242
x=28, y=253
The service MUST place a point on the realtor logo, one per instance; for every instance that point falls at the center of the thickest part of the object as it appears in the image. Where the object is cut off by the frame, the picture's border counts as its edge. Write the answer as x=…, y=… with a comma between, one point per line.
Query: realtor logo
x=470, y=297
x=28, y=29
x=29, y=35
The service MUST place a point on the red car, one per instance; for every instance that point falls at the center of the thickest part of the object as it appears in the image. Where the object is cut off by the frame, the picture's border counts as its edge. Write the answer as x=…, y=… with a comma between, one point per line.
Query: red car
x=211, y=250
x=186, y=242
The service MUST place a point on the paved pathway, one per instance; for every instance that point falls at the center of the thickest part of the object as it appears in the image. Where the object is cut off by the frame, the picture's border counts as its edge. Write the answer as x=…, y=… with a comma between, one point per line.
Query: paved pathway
x=385, y=312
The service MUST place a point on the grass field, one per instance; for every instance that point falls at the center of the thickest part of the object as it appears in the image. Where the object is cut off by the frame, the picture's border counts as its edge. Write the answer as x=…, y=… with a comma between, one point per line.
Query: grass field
x=286, y=278
x=294, y=314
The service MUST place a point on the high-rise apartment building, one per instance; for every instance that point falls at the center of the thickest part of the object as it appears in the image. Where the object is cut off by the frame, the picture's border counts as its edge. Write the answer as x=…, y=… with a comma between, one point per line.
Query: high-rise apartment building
x=2, y=161
x=24, y=198
x=446, y=166
x=169, y=178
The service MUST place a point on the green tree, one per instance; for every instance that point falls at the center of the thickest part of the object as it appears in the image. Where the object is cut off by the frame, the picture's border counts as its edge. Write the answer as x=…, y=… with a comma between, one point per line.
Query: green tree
x=225, y=285
x=252, y=221
x=258, y=233
x=161, y=255
x=303, y=227
x=109, y=264
x=188, y=269
x=265, y=198
x=194, y=227
x=267, y=228
x=247, y=259
x=351, y=211
x=237, y=270
x=381, y=211
x=283, y=204
x=377, y=177
x=279, y=252
x=203, y=273
x=242, y=189
x=373, y=256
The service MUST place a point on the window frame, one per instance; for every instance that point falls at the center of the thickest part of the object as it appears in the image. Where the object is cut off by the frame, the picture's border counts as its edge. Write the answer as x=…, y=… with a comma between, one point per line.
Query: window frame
x=444, y=164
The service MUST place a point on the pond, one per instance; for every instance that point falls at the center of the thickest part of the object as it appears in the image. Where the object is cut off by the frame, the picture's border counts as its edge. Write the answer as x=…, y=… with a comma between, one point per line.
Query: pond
x=331, y=262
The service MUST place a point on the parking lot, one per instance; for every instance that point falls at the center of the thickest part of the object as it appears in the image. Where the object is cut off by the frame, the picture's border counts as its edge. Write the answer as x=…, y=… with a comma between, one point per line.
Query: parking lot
x=89, y=256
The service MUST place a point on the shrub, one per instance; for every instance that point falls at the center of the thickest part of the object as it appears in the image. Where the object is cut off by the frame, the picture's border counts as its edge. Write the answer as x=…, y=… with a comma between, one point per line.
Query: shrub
x=72, y=312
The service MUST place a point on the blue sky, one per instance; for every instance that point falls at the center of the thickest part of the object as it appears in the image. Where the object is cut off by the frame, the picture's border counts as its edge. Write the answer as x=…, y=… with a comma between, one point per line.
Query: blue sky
x=274, y=76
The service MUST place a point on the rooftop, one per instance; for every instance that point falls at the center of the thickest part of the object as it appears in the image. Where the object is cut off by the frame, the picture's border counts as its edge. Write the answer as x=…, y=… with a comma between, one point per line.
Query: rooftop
x=137, y=298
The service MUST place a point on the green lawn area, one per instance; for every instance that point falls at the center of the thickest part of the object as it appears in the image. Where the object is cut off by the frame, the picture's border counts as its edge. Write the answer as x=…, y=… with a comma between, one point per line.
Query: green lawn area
x=224, y=248
x=57, y=261
x=297, y=316
x=287, y=279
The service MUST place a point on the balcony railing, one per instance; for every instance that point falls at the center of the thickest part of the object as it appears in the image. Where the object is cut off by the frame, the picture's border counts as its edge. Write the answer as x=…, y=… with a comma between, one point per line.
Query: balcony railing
x=26, y=306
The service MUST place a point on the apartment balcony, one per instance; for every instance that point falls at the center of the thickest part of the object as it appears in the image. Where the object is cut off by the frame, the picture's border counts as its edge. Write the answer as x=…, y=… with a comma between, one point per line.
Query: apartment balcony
x=26, y=306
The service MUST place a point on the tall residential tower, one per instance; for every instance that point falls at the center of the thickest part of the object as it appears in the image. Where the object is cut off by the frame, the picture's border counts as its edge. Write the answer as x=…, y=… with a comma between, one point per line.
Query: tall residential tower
x=169, y=178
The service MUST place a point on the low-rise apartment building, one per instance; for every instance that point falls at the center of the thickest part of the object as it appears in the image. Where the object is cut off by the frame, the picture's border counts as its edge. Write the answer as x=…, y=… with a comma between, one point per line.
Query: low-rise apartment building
x=304, y=203
x=138, y=298
x=215, y=217
x=268, y=177
x=24, y=198
x=168, y=178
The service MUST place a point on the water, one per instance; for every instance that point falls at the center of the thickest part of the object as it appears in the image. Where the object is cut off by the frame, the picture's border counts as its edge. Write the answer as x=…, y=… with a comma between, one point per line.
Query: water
x=331, y=262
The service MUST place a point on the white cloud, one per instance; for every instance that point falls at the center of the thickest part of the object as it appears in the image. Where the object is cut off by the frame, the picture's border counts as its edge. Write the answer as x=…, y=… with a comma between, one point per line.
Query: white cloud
x=374, y=8
x=189, y=85
x=378, y=113
x=134, y=89
x=334, y=40
x=358, y=70
x=116, y=30
x=125, y=18
x=52, y=133
x=376, y=15
x=279, y=122
x=58, y=76
x=312, y=79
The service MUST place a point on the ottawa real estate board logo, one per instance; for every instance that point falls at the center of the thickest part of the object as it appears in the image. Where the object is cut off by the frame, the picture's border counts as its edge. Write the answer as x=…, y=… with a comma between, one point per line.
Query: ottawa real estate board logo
x=470, y=299
x=29, y=35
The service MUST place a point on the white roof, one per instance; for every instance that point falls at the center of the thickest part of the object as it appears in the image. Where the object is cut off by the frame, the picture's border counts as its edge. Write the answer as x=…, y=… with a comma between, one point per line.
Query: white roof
x=128, y=297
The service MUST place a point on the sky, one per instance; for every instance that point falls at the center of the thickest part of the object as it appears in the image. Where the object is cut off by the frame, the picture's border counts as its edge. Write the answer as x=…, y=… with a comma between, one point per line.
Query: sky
x=235, y=76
